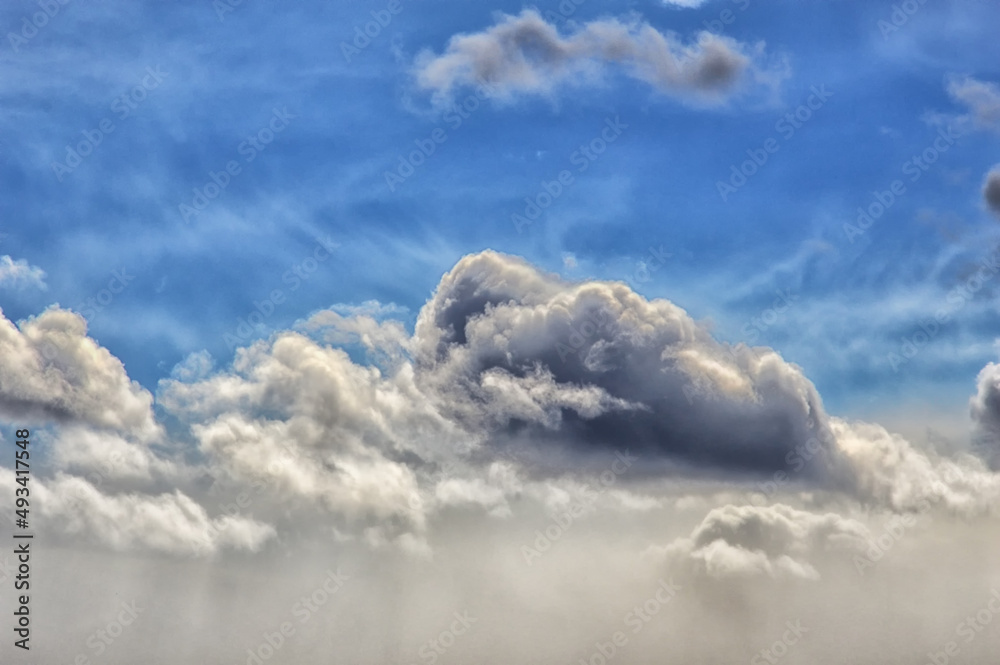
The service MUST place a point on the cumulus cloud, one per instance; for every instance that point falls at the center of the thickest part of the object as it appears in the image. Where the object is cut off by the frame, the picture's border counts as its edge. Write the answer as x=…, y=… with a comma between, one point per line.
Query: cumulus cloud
x=20, y=274
x=593, y=365
x=985, y=410
x=514, y=385
x=170, y=523
x=889, y=472
x=525, y=54
x=991, y=191
x=773, y=541
x=49, y=368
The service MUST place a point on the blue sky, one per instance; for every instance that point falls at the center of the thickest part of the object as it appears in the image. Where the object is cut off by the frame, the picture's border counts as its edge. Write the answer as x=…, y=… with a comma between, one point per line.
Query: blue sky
x=209, y=79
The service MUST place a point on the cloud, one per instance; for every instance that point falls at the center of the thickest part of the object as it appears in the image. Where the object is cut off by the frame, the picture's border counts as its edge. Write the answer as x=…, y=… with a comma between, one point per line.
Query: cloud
x=171, y=523
x=524, y=54
x=20, y=274
x=991, y=190
x=515, y=385
x=981, y=97
x=50, y=369
x=984, y=408
x=593, y=365
x=773, y=541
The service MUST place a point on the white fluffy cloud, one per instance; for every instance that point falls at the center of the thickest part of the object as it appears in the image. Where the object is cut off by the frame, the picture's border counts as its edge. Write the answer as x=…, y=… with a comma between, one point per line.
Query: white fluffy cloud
x=20, y=274
x=170, y=523
x=50, y=368
x=773, y=541
x=525, y=54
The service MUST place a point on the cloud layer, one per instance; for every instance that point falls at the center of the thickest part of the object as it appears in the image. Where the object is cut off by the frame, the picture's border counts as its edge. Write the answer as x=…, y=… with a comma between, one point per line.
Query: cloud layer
x=536, y=448
x=514, y=383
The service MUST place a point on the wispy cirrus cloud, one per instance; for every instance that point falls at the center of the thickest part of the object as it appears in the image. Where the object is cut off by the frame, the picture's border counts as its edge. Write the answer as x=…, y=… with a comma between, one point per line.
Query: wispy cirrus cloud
x=20, y=274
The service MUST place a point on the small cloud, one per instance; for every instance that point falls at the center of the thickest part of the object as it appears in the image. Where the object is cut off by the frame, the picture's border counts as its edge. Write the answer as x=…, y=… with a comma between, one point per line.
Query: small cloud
x=20, y=274
x=569, y=261
x=982, y=99
x=991, y=190
x=525, y=54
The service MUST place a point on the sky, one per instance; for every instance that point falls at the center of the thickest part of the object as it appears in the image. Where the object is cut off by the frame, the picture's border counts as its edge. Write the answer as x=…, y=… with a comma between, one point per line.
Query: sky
x=487, y=323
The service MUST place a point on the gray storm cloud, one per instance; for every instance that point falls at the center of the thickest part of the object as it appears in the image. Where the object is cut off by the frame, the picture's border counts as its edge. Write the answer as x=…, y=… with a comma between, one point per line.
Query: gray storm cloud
x=991, y=191
x=595, y=365
x=525, y=54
